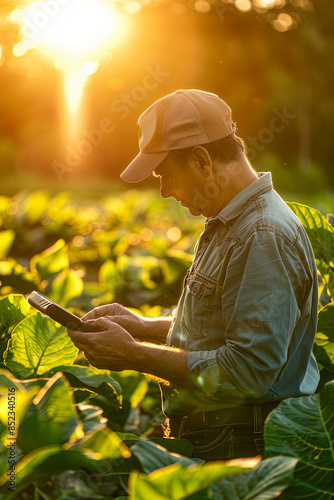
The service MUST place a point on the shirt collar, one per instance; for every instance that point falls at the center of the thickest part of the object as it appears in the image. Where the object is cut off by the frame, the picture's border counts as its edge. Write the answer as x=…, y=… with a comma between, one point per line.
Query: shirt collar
x=239, y=203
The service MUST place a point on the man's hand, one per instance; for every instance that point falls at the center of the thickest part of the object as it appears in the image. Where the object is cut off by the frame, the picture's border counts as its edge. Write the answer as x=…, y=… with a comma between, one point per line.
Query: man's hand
x=132, y=322
x=111, y=348
x=141, y=328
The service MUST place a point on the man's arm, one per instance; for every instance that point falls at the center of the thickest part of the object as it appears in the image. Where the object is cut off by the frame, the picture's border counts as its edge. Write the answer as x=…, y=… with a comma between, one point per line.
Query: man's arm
x=165, y=363
x=154, y=330
x=113, y=348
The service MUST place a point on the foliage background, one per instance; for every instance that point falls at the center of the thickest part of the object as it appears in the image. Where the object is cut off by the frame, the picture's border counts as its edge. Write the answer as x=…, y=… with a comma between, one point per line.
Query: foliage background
x=206, y=44
x=83, y=432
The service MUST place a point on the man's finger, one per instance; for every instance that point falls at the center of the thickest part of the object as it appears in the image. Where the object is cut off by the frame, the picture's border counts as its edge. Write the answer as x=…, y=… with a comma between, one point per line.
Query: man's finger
x=96, y=313
x=85, y=336
x=78, y=339
x=100, y=323
x=99, y=312
x=128, y=324
x=118, y=319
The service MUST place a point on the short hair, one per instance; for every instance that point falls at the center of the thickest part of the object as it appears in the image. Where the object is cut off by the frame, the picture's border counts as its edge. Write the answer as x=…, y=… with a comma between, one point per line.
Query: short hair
x=226, y=150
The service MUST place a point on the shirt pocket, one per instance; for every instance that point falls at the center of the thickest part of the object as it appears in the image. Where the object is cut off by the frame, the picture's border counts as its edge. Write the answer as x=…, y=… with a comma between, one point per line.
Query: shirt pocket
x=198, y=306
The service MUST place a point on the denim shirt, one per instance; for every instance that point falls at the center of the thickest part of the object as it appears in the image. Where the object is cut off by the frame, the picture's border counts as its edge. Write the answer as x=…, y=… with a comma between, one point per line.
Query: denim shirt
x=248, y=309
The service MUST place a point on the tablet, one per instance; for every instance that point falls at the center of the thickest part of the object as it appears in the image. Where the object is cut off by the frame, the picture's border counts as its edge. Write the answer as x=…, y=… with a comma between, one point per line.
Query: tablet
x=65, y=318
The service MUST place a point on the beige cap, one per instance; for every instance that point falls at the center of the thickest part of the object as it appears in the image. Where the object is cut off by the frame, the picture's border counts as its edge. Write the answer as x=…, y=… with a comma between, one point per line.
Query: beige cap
x=179, y=120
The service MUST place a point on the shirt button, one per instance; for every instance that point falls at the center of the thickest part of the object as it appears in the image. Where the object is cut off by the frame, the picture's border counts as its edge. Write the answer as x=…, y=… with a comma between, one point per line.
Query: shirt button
x=207, y=239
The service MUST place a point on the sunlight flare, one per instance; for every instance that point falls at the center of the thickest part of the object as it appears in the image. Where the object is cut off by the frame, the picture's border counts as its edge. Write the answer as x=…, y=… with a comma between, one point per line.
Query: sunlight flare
x=76, y=35
x=74, y=84
x=76, y=26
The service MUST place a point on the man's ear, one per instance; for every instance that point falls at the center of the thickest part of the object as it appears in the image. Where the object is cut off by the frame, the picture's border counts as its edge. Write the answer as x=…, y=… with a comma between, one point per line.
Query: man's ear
x=202, y=159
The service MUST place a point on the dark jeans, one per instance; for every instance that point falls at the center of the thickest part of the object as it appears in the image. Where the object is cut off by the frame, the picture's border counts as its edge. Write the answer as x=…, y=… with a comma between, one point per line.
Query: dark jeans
x=226, y=442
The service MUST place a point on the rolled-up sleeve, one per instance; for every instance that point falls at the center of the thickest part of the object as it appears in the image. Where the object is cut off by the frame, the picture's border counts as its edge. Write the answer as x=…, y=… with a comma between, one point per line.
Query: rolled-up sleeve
x=260, y=307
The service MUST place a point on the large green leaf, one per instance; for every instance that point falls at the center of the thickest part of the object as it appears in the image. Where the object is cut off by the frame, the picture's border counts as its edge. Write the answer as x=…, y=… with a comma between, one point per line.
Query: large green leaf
x=6, y=242
x=94, y=380
x=320, y=232
x=37, y=345
x=327, y=274
x=152, y=457
x=25, y=467
x=321, y=235
x=83, y=395
x=8, y=381
x=91, y=417
x=147, y=456
x=303, y=428
x=47, y=460
x=324, y=341
x=266, y=481
x=177, y=482
x=52, y=261
x=134, y=388
x=16, y=399
x=134, y=385
x=52, y=414
x=105, y=444
x=13, y=309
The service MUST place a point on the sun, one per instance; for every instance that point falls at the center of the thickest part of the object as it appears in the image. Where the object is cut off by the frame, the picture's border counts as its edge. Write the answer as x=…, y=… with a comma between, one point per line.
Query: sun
x=68, y=26
x=82, y=27
x=75, y=34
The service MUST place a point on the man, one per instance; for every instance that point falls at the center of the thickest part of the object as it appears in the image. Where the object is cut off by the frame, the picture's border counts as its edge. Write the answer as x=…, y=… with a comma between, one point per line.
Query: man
x=241, y=337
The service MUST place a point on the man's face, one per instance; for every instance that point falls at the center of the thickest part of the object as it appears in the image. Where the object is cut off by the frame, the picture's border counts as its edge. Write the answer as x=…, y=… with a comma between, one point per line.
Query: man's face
x=183, y=183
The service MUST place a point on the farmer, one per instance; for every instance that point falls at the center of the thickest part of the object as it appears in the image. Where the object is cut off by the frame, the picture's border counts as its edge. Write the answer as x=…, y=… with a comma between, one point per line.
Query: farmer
x=241, y=337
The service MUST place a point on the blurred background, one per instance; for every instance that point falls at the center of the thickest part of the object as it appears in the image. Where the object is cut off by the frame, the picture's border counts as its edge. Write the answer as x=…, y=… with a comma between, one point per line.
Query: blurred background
x=74, y=77
x=76, y=74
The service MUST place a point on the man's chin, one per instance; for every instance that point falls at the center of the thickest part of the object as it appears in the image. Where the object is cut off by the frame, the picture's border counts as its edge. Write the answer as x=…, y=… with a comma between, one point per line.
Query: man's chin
x=194, y=211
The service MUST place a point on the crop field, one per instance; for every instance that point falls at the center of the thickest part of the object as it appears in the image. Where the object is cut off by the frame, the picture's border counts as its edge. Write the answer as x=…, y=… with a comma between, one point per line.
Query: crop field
x=71, y=431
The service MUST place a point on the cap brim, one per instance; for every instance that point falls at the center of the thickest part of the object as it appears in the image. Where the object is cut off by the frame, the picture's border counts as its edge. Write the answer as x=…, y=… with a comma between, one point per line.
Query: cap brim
x=142, y=166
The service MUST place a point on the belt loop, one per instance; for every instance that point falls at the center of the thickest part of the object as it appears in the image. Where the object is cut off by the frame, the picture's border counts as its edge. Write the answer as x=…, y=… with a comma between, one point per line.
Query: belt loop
x=257, y=418
x=182, y=426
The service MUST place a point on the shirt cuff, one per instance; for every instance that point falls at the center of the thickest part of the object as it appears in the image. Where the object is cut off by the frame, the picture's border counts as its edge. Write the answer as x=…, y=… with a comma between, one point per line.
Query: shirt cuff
x=206, y=374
